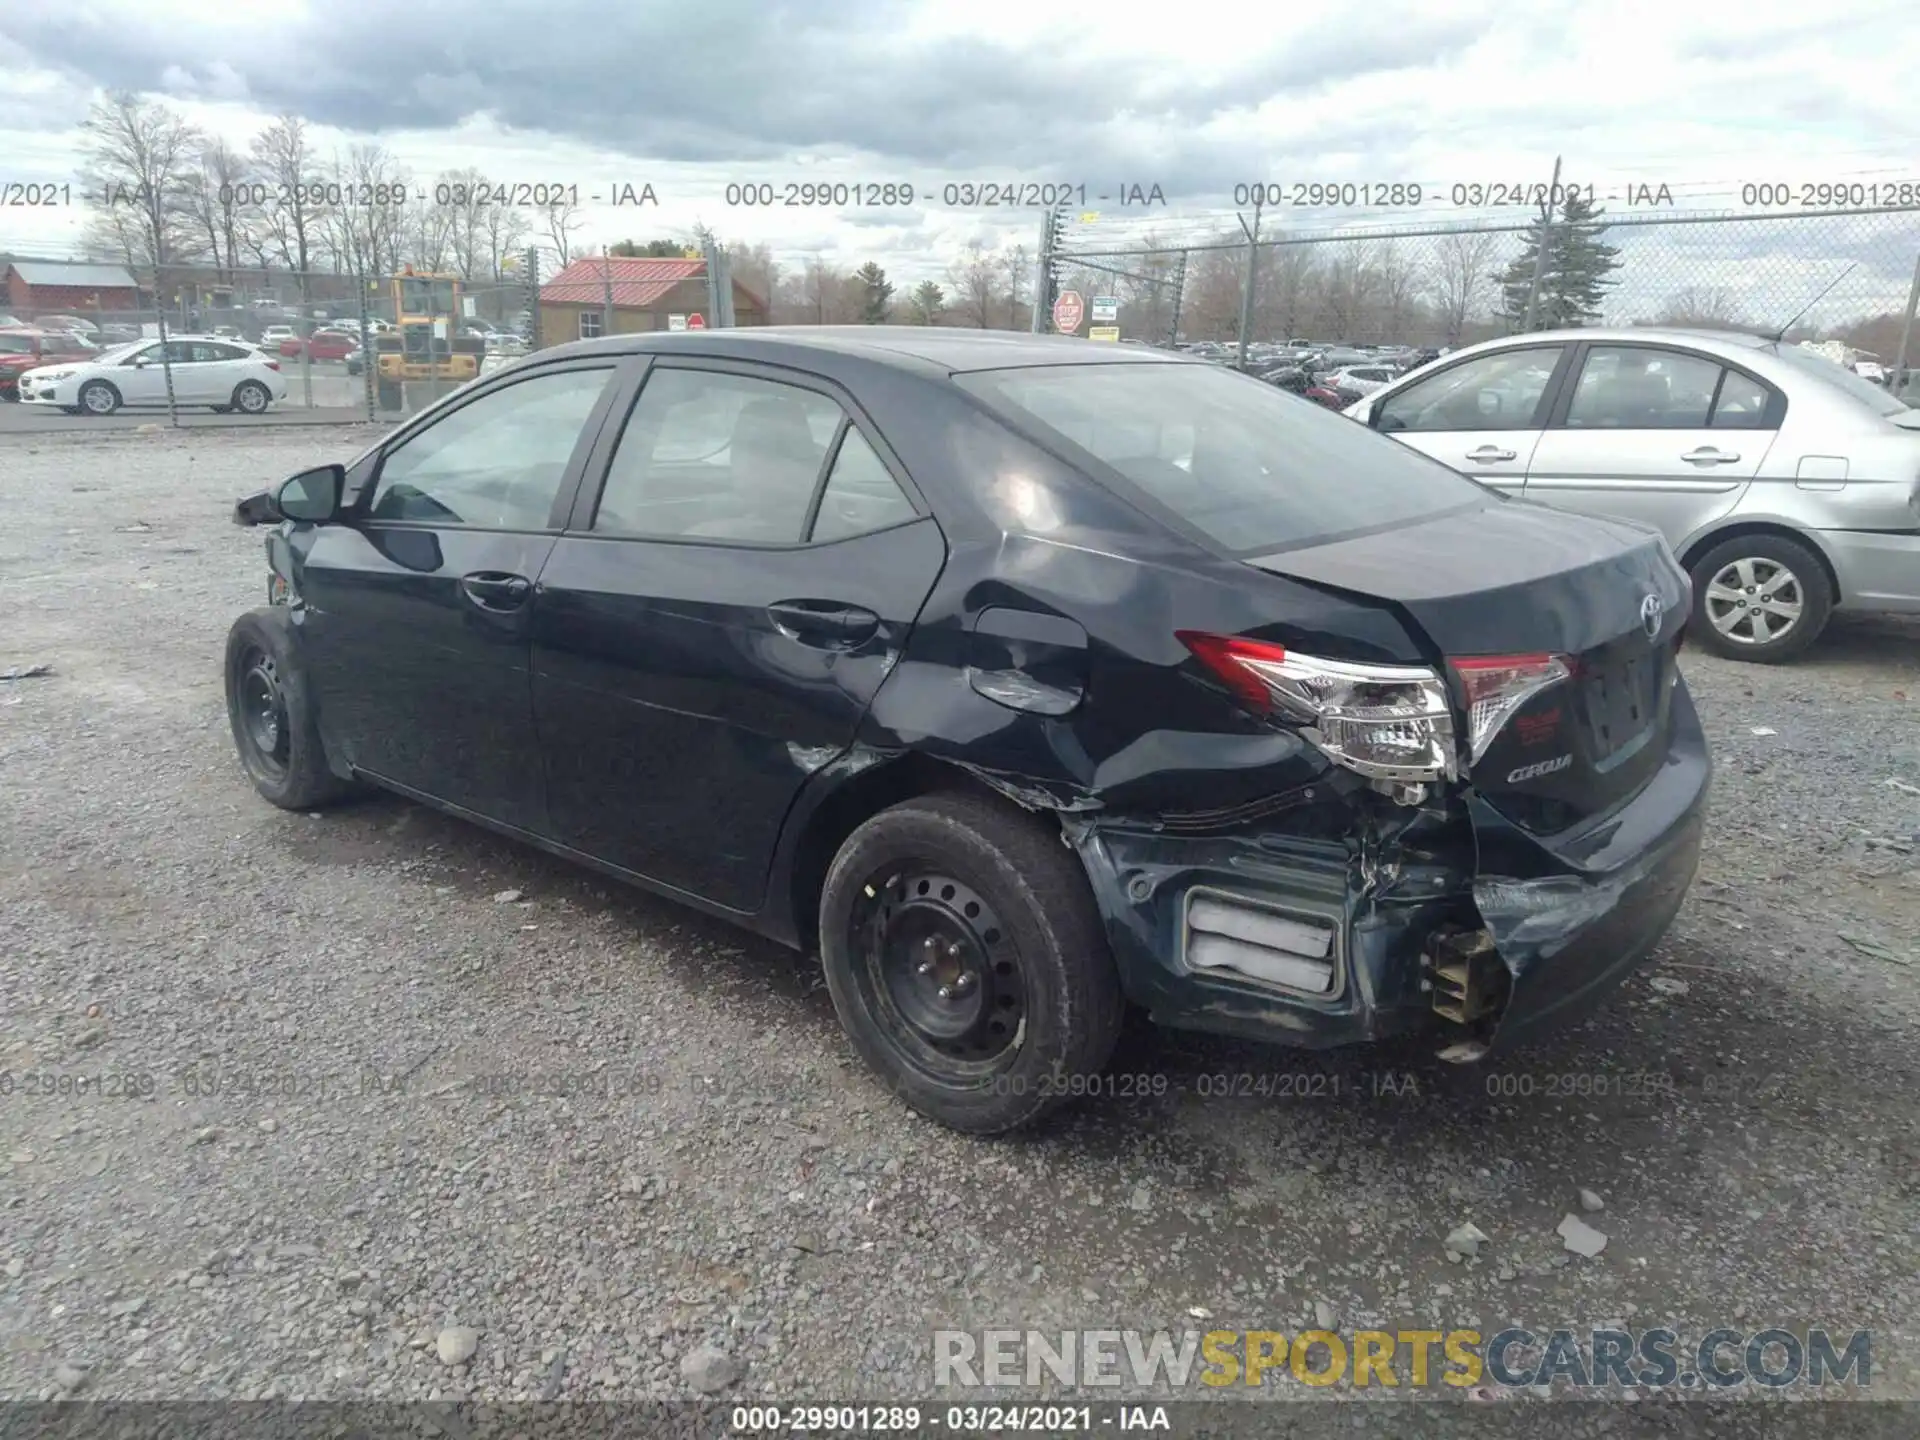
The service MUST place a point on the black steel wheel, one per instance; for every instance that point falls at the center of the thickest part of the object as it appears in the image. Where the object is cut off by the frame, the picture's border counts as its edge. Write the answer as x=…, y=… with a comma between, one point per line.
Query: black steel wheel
x=272, y=718
x=263, y=726
x=939, y=965
x=968, y=961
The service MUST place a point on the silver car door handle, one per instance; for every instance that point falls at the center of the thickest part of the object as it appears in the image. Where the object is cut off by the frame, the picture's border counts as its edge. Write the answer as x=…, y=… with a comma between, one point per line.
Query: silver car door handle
x=1487, y=454
x=1707, y=455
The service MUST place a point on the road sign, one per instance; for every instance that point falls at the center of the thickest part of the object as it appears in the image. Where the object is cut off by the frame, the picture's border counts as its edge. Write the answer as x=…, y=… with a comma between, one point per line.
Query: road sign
x=696, y=322
x=1106, y=309
x=676, y=322
x=1068, y=312
x=1104, y=332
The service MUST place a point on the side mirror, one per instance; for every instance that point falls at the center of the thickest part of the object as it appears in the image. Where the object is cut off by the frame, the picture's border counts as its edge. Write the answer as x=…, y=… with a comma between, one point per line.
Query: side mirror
x=312, y=495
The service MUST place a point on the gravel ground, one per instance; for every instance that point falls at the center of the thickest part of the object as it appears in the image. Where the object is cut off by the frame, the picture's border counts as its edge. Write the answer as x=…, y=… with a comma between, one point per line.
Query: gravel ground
x=614, y=1140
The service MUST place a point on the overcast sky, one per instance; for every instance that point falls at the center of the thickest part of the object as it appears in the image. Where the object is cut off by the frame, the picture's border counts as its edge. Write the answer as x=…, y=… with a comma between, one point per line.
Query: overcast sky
x=1193, y=98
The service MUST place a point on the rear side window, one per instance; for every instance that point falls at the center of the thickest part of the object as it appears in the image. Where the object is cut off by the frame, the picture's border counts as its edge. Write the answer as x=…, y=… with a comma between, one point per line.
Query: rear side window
x=15, y=345
x=1250, y=466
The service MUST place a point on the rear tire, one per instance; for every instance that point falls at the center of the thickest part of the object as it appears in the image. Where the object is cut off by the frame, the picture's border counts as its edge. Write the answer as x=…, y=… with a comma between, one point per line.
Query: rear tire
x=1754, y=580
x=97, y=397
x=250, y=397
x=968, y=962
x=271, y=713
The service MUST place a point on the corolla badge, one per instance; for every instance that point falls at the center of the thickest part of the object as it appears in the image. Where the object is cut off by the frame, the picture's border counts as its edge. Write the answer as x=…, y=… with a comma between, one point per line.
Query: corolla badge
x=1652, y=611
x=1534, y=772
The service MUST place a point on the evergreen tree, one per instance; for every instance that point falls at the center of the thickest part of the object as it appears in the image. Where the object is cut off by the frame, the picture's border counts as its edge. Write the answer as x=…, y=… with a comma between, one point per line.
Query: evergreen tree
x=652, y=250
x=876, y=294
x=929, y=300
x=1578, y=272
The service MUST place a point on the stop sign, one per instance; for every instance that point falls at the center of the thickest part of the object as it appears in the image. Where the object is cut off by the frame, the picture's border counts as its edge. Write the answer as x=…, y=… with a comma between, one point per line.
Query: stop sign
x=1068, y=311
x=696, y=322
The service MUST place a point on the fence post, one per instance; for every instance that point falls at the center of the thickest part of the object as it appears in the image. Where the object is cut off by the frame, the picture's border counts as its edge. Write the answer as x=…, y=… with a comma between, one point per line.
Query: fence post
x=166, y=360
x=1540, y=256
x=1906, y=331
x=369, y=361
x=1179, y=295
x=1253, y=271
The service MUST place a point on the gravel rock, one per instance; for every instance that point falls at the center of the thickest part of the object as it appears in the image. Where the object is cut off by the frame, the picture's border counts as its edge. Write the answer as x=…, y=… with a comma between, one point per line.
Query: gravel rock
x=1466, y=1239
x=456, y=1343
x=709, y=1369
x=69, y=1377
x=1581, y=1238
x=1591, y=1203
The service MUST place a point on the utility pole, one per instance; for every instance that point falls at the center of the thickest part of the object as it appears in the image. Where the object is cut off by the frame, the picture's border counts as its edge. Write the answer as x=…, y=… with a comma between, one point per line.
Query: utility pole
x=606, y=291
x=1179, y=294
x=1042, y=275
x=1253, y=270
x=1540, y=259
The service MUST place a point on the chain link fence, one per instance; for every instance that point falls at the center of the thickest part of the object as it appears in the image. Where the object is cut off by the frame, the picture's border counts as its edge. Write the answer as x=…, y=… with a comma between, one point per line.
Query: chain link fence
x=287, y=346
x=313, y=342
x=1849, y=276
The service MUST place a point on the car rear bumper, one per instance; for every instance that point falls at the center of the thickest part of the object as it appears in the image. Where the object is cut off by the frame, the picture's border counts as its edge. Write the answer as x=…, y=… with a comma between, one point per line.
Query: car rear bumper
x=1876, y=570
x=1568, y=918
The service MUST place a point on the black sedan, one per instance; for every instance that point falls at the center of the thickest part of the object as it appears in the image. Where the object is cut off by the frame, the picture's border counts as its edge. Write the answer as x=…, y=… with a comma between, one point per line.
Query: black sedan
x=1025, y=678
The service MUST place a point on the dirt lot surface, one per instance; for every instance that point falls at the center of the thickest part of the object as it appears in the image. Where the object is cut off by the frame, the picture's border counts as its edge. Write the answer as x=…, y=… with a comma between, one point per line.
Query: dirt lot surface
x=376, y=1097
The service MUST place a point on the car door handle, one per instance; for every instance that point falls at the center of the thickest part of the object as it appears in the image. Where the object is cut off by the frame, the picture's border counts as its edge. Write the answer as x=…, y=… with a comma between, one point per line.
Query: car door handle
x=1707, y=455
x=491, y=590
x=824, y=624
x=1487, y=454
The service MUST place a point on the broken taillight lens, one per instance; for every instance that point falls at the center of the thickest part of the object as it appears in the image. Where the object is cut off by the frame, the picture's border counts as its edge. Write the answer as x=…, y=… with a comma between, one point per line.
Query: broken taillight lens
x=1496, y=686
x=1387, y=722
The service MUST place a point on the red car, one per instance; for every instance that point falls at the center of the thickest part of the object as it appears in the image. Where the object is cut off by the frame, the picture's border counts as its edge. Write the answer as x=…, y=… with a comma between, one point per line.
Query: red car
x=322, y=345
x=24, y=348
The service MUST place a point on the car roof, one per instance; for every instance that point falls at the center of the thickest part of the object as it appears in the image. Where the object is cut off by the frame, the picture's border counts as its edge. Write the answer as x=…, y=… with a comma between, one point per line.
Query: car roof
x=952, y=350
x=1644, y=334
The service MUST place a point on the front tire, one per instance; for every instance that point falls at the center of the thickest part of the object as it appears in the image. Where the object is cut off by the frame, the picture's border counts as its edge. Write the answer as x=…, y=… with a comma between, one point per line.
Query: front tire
x=250, y=397
x=968, y=963
x=271, y=713
x=97, y=397
x=1763, y=598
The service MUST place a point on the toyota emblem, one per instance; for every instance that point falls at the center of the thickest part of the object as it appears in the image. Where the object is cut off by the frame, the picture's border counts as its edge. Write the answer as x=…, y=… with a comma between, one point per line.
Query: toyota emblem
x=1652, y=610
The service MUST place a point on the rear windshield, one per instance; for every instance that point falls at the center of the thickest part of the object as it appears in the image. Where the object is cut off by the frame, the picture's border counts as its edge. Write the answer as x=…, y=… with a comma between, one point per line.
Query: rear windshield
x=1250, y=466
x=1881, y=401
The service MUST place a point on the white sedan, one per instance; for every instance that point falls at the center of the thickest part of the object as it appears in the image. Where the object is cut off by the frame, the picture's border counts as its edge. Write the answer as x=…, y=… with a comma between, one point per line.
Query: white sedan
x=206, y=370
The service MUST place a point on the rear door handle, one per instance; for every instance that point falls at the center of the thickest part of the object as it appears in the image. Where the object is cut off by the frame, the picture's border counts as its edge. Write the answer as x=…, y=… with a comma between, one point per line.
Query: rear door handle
x=1707, y=455
x=491, y=590
x=824, y=624
x=1487, y=454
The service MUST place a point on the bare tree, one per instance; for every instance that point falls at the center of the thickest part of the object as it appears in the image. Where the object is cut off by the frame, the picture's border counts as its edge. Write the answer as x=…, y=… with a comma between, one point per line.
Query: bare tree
x=976, y=283
x=295, y=214
x=139, y=163
x=563, y=222
x=1397, y=282
x=1462, y=277
x=823, y=292
x=1703, y=307
x=220, y=201
x=1017, y=265
x=368, y=231
x=754, y=267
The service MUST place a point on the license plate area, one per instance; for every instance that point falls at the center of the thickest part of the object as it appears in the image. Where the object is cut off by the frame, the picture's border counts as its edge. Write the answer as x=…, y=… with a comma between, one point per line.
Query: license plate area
x=1619, y=700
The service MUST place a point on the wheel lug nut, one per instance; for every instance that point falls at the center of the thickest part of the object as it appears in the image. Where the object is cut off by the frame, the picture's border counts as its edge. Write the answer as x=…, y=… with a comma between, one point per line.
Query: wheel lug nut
x=946, y=992
x=926, y=967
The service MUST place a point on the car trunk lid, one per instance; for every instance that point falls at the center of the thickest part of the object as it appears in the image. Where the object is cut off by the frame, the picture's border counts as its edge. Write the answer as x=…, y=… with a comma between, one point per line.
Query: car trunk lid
x=1606, y=600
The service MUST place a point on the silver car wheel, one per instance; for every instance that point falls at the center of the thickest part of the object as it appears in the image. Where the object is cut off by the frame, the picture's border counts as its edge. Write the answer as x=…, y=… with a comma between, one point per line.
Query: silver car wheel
x=1754, y=601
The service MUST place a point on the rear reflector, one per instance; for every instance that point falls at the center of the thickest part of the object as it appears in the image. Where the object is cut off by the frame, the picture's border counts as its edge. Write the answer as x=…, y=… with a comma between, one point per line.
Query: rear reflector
x=1261, y=944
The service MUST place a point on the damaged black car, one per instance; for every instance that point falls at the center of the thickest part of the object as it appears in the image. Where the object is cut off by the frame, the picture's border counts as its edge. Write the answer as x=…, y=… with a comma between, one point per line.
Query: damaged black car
x=1026, y=679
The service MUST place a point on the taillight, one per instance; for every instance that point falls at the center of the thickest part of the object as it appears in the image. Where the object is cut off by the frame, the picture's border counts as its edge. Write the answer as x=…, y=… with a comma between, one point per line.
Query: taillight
x=1496, y=686
x=273, y=364
x=1387, y=722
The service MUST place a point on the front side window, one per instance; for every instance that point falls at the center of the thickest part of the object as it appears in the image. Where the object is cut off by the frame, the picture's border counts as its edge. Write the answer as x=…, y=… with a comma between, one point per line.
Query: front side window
x=1248, y=465
x=1501, y=391
x=496, y=462
x=714, y=456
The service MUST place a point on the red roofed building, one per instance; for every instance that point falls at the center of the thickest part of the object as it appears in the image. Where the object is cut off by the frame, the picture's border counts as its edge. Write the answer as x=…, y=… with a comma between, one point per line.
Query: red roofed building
x=643, y=294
